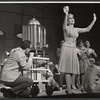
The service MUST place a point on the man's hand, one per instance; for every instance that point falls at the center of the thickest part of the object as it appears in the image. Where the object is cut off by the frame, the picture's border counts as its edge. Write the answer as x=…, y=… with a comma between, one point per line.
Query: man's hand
x=31, y=55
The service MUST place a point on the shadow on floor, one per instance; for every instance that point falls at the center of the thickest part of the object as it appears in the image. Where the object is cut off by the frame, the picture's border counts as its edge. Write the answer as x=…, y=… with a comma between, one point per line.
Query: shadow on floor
x=85, y=95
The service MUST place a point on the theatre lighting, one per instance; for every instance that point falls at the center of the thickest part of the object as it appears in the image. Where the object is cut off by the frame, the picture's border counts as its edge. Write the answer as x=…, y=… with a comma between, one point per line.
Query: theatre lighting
x=19, y=35
x=1, y=33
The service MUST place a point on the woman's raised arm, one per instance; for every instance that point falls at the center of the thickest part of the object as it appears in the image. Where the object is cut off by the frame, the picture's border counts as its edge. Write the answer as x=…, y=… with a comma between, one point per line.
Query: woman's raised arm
x=66, y=10
x=87, y=29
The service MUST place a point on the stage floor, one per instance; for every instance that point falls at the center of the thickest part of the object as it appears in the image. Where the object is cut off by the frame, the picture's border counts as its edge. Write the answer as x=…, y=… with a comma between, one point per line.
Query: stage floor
x=62, y=94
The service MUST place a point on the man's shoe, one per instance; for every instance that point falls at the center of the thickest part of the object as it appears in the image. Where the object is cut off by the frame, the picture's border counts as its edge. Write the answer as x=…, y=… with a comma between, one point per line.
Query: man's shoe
x=8, y=93
x=5, y=93
x=56, y=88
x=12, y=94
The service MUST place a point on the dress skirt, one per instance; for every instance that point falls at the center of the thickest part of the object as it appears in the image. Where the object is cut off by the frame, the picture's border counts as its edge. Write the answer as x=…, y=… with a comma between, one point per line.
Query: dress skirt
x=68, y=62
x=83, y=66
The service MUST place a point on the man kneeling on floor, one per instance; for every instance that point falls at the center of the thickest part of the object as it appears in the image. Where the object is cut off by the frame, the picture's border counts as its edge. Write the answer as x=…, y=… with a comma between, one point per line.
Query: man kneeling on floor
x=92, y=77
x=11, y=72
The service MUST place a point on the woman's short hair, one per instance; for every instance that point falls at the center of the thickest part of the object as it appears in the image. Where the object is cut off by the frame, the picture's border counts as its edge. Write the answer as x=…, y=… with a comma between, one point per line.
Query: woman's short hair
x=25, y=44
x=85, y=43
x=61, y=42
x=68, y=16
x=78, y=42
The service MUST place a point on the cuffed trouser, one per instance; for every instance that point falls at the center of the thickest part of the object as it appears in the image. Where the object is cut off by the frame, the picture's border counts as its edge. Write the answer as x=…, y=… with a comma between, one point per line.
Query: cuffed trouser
x=20, y=84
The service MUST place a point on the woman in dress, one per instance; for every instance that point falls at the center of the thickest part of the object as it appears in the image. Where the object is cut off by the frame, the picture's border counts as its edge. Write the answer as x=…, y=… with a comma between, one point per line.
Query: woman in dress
x=61, y=76
x=59, y=50
x=83, y=64
x=68, y=62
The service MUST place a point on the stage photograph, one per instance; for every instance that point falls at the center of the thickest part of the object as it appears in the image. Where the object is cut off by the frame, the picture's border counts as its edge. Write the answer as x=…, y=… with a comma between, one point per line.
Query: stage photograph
x=50, y=50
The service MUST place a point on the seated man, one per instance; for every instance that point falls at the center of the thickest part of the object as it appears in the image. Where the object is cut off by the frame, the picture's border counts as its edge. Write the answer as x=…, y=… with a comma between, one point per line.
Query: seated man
x=92, y=78
x=49, y=75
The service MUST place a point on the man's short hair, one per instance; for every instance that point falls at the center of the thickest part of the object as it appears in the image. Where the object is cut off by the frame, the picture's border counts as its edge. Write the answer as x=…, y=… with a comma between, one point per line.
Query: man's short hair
x=25, y=44
x=92, y=59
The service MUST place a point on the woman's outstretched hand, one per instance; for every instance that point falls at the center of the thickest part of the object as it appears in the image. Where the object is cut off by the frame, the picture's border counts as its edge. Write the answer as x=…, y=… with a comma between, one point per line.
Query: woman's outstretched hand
x=94, y=17
x=66, y=9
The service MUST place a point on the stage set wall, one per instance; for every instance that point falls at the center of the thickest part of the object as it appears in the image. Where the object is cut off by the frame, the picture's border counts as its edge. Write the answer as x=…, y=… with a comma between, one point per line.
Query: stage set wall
x=50, y=15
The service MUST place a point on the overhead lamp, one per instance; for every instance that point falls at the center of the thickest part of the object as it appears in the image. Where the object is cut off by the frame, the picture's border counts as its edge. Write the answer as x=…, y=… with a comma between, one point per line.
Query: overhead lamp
x=1, y=33
x=19, y=35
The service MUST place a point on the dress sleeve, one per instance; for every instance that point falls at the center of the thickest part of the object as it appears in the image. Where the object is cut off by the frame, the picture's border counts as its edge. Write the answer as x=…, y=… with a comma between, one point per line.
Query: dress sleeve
x=82, y=30
x=65, y=27
x=98, y=70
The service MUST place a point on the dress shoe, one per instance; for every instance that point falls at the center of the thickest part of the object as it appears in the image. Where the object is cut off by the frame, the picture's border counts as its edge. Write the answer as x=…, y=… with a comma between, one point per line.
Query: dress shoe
x=8, y=93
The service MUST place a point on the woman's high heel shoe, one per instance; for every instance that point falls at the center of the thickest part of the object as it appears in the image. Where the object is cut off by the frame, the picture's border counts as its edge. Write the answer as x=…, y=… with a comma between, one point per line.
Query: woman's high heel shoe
x=68, y=92
x=73, y=87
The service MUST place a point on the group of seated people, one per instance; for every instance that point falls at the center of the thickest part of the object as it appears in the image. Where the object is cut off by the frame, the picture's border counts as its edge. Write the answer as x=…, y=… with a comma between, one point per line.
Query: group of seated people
x=85, y=53
x=91, y=82
x=89, y=68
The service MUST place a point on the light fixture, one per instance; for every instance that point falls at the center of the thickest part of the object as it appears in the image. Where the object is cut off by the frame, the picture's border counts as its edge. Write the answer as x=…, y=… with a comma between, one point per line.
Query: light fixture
x=19, y=35
x=7, y=53
x=1, y=33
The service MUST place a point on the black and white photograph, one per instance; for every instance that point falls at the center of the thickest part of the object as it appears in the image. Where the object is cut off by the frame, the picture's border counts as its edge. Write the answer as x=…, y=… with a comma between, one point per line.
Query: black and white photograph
x=50, y=49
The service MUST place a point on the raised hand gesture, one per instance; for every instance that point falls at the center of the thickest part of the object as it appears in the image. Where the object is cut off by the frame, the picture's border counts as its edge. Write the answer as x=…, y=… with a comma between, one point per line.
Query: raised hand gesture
x=94, y=17
x=66, y=9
